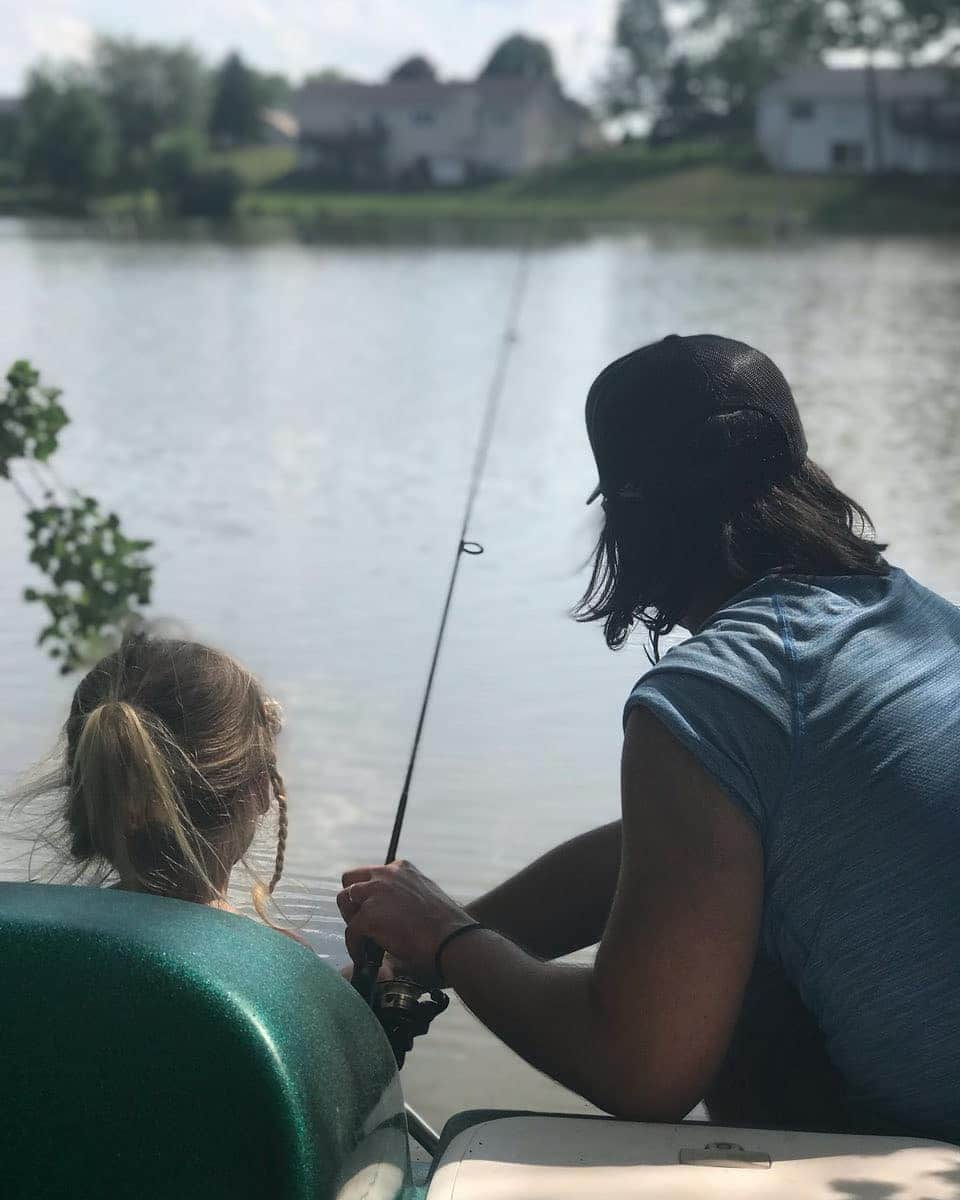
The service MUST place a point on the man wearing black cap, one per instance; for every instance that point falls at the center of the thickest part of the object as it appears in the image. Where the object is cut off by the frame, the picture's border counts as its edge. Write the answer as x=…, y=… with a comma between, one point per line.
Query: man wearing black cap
x=777, y=908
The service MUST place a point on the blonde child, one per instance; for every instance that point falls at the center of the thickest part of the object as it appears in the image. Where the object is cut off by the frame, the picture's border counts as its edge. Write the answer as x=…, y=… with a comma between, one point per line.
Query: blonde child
x=169, y=765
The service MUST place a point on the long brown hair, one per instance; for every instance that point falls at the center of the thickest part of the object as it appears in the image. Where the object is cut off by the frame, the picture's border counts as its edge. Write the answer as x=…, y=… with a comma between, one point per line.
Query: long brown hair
x=655, y=555
x=169, y=765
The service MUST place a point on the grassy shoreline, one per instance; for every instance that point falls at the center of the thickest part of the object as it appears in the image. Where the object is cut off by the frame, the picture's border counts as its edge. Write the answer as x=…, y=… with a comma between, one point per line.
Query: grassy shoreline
x=707, y=185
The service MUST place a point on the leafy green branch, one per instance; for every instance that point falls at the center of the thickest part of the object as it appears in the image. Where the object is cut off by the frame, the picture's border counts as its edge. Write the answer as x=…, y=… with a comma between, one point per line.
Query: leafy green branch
x=99, y=578
x=30, y=418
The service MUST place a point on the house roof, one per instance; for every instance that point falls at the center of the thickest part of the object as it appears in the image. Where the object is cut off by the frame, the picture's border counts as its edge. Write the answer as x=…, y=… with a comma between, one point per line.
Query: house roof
x=850, y=83
x=402, y=91
x=281, y=122
x=402, y=94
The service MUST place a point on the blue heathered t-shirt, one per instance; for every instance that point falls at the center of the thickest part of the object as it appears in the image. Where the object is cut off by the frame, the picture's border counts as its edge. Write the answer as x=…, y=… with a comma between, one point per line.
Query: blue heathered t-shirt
x=828, y=708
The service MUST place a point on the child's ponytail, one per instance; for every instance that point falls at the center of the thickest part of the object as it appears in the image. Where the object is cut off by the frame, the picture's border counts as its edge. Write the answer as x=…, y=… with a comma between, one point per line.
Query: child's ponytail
x=169, y=764
x=124, y=802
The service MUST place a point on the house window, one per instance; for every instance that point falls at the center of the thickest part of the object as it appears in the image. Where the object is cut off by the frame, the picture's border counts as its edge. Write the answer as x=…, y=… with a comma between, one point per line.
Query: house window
x=802, y=110
x=848, y=156
x=423, y=116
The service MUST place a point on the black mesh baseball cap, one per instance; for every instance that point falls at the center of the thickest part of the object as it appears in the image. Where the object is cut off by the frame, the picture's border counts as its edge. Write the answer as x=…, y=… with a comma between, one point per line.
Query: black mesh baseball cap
x=646, y=414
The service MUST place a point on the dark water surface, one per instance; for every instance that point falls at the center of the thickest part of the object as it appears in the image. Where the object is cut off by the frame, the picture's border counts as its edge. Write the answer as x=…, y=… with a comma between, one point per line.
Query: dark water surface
x=294, y=427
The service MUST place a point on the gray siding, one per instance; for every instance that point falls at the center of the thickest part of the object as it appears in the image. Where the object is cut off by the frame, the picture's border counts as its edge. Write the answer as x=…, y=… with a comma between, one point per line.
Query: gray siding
x=452, y=129
x=808, y=126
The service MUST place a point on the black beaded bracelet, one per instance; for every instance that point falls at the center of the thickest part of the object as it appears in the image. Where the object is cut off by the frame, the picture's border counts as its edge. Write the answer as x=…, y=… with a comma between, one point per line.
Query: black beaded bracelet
x=471, y=928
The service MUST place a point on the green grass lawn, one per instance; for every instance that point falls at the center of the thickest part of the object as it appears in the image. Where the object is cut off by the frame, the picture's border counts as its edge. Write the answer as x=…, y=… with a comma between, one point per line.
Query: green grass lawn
x=708, y=183
x=705, y=183
x=257, y=166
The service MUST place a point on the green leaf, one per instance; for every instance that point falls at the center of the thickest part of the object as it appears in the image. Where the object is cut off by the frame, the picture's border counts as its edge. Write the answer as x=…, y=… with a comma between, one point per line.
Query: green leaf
x=99, y=578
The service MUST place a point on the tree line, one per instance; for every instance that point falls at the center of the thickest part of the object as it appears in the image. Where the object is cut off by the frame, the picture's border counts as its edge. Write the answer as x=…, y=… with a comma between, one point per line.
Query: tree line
x=145, y=115
x=139, y=115
x=693, y=60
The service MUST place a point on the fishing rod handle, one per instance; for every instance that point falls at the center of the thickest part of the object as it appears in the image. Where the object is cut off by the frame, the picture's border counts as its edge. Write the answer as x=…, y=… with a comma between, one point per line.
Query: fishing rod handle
x=367, y=969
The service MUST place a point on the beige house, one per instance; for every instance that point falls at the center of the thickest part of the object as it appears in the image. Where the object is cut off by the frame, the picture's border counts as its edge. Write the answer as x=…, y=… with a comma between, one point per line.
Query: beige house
x=441, y=133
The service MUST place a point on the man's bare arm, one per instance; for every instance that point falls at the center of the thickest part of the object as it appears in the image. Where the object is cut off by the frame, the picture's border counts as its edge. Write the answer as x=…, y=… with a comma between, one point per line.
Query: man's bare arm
x=643, y=1032
x=561, y=902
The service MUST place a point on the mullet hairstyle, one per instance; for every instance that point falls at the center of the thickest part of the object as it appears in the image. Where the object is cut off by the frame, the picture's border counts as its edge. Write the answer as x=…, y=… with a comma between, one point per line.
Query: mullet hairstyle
x=655, y=557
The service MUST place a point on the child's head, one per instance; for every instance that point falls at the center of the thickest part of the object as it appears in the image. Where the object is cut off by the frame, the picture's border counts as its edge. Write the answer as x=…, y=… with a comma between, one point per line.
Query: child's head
x=170, y=764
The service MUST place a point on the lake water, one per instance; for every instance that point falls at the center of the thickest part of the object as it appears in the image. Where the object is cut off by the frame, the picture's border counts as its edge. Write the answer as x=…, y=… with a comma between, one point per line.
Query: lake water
x=294, y=425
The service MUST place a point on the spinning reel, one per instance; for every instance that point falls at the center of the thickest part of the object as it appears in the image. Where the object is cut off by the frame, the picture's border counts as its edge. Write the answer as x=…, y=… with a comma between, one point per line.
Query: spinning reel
x=405, y=1010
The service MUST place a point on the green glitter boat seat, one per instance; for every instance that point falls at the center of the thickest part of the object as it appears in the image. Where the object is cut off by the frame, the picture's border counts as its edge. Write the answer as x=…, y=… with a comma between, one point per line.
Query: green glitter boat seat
x=154, y=1048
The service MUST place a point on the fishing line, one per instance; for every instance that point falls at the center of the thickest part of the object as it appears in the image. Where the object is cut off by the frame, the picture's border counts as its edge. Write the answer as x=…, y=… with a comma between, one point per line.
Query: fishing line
x=507, y=342
x=368, y=967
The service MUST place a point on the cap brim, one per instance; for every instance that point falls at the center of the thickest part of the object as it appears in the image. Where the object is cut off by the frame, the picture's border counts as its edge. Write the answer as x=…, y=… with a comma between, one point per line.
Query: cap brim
x=595, y=494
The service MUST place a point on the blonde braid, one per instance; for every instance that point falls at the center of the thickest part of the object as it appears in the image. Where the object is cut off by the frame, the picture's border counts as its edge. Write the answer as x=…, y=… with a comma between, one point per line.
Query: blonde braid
x=280, y=791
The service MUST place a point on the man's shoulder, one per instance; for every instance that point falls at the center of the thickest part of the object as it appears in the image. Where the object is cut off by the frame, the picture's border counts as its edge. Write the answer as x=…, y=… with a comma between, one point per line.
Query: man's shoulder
x=747, y=628
x=799, y=614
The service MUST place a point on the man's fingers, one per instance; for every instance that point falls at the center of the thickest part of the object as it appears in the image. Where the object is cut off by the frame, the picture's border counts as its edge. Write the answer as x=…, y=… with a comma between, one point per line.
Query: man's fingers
x=348, y=909
x=353, y=943
x=355, y=935
x=358, y=875
x=352, y=898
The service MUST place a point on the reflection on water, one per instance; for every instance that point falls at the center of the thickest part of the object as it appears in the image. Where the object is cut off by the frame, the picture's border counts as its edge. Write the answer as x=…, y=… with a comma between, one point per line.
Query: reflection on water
x=294, y=426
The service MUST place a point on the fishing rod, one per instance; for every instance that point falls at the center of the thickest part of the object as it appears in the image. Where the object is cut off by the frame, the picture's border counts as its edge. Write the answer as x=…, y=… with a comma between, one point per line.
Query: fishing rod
x=371, y=955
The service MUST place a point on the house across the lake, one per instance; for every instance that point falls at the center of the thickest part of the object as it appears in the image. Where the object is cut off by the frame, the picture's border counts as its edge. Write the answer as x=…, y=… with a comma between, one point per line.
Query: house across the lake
x=440, y=133
x=852, y=120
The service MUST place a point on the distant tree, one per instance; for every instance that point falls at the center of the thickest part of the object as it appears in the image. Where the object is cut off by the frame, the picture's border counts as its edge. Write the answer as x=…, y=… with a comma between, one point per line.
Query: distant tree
x=65, y=137
x=520, y=57
x=188, y=188
x=935, y=22
x=640, y=60
x=175, y=158
x=328, y=75
x=752, y=41
x=414, y=69
x=238, y=96
x=148, y=89
x=903, y=26
x=9, y=134
x=212, y=192
x=681, y=94
x=276, y=90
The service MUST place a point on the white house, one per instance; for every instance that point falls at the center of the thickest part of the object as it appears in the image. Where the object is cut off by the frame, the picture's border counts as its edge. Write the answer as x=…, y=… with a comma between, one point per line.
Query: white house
x=444, y=133
x=826, y=119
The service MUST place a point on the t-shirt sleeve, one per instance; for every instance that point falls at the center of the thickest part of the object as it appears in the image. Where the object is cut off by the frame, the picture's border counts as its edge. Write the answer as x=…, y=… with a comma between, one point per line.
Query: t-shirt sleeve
x=729, y=696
